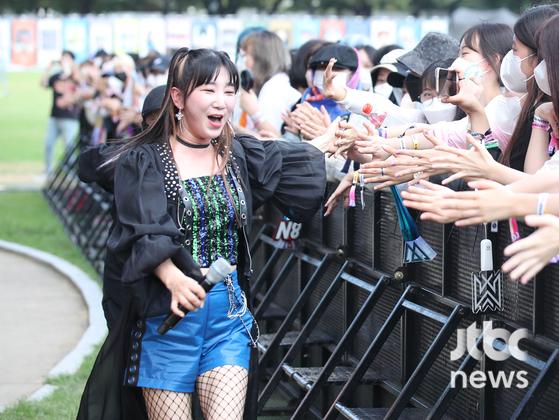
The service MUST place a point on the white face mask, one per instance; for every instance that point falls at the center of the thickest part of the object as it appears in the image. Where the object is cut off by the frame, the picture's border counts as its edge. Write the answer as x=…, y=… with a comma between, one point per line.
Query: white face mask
x=340, y=79
x=365, y=81
x=540, y=73
x=511, y=73
x=437, y=111
x=383, y=89
x=470, y=70
x=502, y=113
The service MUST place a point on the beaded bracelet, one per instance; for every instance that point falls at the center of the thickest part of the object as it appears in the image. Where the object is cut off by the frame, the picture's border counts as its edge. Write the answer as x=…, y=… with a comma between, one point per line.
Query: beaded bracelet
x=540, y=123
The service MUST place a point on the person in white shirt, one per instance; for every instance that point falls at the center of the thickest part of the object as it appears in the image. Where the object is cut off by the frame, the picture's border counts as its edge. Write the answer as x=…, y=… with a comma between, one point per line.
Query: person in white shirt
x=271, y=95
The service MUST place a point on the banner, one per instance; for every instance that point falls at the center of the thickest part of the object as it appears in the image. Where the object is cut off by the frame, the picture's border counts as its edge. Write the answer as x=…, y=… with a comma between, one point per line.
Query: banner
x=304, y=30
x=100, y=34
x=408, y=34
x=75, y=37
x=49, y=41
x=126, y=34
x=332, y=29
x=383, y=32
x=179, y=32
x=434, y=24
x=24, y=48
x=204, y=34
x=228, y=30
x=358, y=31
x=4, y=44
x=153, y=35
x=282, y=28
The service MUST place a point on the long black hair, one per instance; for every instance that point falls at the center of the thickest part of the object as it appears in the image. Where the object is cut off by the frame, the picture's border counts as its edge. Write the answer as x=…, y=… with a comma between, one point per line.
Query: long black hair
x=188, y=70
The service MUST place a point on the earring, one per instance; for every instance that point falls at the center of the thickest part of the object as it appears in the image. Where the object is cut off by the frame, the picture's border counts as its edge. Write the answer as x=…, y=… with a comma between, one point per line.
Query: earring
x=179, y=115
x=214, y=141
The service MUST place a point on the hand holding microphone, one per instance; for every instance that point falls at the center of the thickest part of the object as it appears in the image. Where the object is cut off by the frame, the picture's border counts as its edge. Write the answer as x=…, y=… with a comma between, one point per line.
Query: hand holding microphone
x=217, y=272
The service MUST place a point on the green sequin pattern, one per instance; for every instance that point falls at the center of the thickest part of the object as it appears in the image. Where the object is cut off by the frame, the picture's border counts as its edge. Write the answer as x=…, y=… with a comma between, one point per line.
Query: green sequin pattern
x=214, y=225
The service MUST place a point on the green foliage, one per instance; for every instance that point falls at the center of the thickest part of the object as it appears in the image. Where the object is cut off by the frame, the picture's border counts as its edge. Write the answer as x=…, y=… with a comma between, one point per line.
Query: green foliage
x=24, y=111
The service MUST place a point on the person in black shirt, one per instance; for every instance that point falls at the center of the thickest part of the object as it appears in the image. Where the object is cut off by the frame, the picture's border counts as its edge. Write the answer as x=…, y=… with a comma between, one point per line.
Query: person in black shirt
x=65, y=111
x=184, y=194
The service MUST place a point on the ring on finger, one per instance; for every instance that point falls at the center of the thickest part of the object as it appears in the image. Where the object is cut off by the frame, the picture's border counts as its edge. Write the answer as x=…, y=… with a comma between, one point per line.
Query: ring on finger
x=381, y=171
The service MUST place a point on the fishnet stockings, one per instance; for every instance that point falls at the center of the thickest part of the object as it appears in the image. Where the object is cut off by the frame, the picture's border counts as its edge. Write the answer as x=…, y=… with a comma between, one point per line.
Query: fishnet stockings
x=222, y=392
x=167, y=405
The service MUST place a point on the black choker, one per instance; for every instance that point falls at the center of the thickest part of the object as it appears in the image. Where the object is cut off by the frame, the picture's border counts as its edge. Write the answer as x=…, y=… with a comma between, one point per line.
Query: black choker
x=192, y=145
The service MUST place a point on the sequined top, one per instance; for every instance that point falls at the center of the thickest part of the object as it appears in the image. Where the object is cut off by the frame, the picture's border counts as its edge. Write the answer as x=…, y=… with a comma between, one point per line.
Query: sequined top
x=214, y=226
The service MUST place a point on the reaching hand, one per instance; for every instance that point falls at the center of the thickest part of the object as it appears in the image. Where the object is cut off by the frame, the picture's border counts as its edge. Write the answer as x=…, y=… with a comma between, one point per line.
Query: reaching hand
x=529, y=255
x=426, y=200
x=394, y=170
x=491, y=202
x=311, y=121
x=341, y=191
x=329, y=89
x=474, y=163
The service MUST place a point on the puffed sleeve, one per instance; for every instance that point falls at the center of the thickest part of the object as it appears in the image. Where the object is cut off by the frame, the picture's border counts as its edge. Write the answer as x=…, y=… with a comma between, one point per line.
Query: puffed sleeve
x=292, y=175
x=91, y=168
x=144, y=231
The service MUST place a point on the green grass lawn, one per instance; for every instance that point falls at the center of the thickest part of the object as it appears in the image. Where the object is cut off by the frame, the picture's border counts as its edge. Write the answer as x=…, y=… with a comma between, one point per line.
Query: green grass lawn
x=27, y=219
x=23, y=117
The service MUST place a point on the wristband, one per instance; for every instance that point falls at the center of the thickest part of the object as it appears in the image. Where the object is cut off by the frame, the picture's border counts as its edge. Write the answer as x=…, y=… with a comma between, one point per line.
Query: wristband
x=542, y=203
x=540, y=123
x=402, y=143
x=415, y=142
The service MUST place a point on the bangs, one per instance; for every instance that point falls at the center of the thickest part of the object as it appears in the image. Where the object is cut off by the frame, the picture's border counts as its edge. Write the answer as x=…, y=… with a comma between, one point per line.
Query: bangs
x=470, y=40
x=203, y=67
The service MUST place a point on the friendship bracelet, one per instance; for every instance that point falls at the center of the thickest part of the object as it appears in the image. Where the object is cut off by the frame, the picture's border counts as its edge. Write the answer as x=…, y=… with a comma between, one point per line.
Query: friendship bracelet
x=540, y=123
x=539, y=126
x=542, y=203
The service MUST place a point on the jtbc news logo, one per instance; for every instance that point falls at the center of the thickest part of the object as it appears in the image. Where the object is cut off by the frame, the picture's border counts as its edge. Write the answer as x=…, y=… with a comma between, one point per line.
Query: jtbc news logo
x=498, y=345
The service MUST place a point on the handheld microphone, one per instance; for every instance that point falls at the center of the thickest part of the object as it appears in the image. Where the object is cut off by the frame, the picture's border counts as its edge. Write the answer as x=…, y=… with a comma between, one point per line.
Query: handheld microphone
x=219, y=269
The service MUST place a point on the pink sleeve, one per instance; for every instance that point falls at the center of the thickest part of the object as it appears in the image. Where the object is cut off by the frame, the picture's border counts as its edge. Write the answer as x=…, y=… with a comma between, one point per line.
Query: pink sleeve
x=452, y=133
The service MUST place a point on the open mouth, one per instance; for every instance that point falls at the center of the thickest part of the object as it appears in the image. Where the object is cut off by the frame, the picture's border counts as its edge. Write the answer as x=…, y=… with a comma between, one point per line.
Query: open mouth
x=215, y=119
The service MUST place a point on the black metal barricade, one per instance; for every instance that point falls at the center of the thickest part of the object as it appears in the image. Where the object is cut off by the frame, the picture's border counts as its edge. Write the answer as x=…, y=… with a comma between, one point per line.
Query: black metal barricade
x=377, y=343
x=84, y=209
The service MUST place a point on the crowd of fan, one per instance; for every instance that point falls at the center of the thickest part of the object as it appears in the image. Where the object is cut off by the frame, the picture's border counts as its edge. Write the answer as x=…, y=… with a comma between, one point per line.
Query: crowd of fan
x=480, y=108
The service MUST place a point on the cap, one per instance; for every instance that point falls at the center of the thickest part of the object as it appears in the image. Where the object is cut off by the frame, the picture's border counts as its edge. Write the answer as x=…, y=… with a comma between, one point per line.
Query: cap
x=433, y=47
x=160, y=64
x=345, y=56
x=153, y=101
x=388, y=61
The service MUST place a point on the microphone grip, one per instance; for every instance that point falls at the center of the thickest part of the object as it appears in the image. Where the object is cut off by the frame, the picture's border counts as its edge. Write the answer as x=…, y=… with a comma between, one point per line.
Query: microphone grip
x=172, y=319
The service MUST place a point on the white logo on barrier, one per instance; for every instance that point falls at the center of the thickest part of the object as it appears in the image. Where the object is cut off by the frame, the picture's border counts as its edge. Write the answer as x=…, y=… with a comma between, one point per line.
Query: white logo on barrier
x=287, y=232
x=498, y=345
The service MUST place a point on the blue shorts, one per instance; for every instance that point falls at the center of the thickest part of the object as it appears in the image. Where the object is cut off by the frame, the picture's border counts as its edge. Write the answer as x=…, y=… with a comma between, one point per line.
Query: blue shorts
x=201, y=341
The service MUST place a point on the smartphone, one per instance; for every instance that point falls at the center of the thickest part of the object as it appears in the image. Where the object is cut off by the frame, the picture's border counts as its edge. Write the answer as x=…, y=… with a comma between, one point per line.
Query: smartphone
x=247, y=82
x=446, y=82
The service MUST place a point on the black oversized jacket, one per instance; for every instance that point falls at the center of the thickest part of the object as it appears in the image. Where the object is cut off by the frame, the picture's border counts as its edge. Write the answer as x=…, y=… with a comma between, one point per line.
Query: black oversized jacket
x=145, y=233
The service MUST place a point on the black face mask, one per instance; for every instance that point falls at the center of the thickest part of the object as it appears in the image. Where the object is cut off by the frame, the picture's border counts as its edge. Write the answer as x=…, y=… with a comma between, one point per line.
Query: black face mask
x=413, y=85
x=120, y=76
